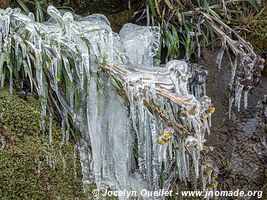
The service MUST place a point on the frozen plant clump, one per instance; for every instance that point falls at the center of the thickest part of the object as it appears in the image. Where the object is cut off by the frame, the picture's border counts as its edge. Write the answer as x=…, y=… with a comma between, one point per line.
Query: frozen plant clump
x=137, y=124
x=141, y=44
x=246, y=65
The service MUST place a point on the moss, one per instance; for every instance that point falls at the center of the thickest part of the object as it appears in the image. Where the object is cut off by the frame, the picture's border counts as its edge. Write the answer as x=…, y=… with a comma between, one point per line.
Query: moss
x=24, y=155
x=121, y=18
x=20, y=115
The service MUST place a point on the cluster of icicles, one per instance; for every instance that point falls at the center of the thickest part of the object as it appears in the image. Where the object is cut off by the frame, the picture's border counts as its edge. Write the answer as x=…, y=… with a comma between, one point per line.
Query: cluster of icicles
x=150, y=137
x=246, y=65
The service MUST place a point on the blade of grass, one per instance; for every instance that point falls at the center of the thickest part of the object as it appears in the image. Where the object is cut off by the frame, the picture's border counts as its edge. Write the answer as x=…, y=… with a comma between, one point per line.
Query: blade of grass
x=23, y=6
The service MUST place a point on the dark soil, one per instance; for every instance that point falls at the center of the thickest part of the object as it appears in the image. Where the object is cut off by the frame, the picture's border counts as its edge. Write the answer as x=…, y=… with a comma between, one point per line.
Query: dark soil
x=240, y=150
x=86, y=7
x=4, y=4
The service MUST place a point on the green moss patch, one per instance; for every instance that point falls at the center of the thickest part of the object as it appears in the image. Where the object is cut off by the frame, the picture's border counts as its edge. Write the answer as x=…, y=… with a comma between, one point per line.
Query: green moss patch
x=21, y=116
x=29, y=168
x=121, y=18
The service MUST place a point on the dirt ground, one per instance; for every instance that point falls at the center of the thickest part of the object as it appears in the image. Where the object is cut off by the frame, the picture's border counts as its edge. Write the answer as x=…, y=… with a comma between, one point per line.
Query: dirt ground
x=240, y=150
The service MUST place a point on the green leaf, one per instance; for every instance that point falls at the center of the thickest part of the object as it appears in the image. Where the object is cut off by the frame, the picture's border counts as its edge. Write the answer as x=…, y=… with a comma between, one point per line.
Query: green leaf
x=213, y=13
x=23, y=6
x=253, y=3
x=152, y=7
x=28, y=71
x=157, y=7
x=39, y=12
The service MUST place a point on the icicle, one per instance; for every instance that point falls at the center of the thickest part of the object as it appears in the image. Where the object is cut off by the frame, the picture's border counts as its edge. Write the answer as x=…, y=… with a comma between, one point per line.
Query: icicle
x=203, y=178
x=47, y=159
x=68, y=19
x=233, y=73
x=246, y=91
x=221, y=52
x=204, y=89
x=17, y=42
x=1, y=40
x=63, y=130
x=50, y=161
x=74, y=161
x=64, y=165
x=209, y=117
x=50, y=128
x=188, y=165
x=31, y=16
x=238, y=95
x=67, y=135
x=10, y=79
x=231, y=101
x=195, y=163
x=184, y=164
x=43, y=115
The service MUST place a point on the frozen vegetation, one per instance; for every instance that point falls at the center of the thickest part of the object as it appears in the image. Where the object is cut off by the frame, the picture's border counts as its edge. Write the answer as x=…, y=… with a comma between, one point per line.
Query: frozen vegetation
x=135, y=125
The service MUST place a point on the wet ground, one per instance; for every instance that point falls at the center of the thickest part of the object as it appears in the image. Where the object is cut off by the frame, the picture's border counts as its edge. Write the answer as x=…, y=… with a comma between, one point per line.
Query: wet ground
x=240, y=150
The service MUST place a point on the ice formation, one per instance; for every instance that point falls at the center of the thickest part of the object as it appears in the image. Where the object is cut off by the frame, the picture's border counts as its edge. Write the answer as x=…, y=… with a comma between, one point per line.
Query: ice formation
x=246, y=65
x=140, y=126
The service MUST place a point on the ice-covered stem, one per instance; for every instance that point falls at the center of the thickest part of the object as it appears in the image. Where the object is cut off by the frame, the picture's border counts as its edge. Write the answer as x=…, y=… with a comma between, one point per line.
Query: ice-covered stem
x=119, y=73
x=161, y=87
x=224, y=3
x=164, y=89
x=164, y=93
x=155, y=110
x=246, y=66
